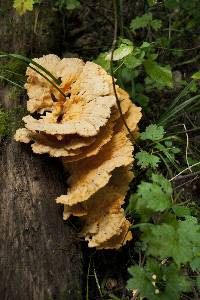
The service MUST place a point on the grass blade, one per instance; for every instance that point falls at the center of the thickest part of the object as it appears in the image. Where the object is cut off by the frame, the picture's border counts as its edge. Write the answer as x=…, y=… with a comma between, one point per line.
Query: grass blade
x=182, y=94
x=12, y=82
x=176, y=101
x=31, y=62
x=177, y=111
x=44, y=76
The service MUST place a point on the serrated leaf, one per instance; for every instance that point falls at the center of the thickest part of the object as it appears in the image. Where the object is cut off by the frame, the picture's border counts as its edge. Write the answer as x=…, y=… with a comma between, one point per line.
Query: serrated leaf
x=141, y=22
x=195, y=264
x=169, y=284
x=181, y=211
x=153, y=132
x=162, y=75
x=156, y=24
x=23, y=5
x=151, y=197
x=144, y=21
x=140, y=280
x=180, y=242
x=146, y=160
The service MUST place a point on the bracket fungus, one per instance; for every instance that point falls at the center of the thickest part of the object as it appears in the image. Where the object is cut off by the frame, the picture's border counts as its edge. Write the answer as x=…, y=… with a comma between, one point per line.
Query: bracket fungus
x=86, y=131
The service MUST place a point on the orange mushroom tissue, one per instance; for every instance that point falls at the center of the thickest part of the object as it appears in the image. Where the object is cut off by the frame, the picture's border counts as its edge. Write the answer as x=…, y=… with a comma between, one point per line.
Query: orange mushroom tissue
x=85, y=130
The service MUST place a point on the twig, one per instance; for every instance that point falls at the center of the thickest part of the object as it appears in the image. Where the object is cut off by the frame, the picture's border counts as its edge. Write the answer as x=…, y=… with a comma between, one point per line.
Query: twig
x=87, y=281
x=186, y=149
x=37, y=11
x=188, y=175
x=188, y=182
x=97, y=282
x=183, y=171
x=112, y=71
x=194, y=59
x=189, y=130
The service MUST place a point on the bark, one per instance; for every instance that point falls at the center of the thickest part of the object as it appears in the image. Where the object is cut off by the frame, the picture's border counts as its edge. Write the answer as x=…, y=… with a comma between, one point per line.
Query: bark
x=34, y=33
x=40, y=256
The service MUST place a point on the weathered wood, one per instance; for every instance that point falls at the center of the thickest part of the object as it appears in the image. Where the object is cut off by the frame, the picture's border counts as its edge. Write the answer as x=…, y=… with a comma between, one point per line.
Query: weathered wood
x=40, y=257
x=34, y=33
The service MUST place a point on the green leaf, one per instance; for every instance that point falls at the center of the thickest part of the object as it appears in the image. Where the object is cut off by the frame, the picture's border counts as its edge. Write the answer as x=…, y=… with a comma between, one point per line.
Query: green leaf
x=102, y=61
x=126, y=41
x=72, y=4
x=155, y=281
x=198, y=282
x=152, y=56
x=131, y=62
x=169, y=152
x=196, y=75
x=151, y=197
x=23, y=5
x=140, y=280
x=153, y=132
x=156, y=24
x=171, y=4
x=175, y=282
x=143, y=100
x=162, y=75
x=144, y=21
x=195, y=264
x=181, y=211
x=146, y=159
x=145, y=45
x=121, y=52
x=152, y=2
x=180, y=242
x=141, y=22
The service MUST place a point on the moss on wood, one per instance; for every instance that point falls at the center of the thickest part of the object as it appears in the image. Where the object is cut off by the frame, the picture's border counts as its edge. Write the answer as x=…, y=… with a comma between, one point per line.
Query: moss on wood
x=10, y=121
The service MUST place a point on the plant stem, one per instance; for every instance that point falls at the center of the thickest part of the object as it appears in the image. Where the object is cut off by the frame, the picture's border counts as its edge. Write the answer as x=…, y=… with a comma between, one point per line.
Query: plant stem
x=112, y=71
x=196, y=164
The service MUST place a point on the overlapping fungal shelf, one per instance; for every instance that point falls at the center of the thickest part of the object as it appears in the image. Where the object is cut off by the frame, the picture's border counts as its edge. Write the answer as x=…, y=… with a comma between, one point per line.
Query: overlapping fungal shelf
x=85, y=130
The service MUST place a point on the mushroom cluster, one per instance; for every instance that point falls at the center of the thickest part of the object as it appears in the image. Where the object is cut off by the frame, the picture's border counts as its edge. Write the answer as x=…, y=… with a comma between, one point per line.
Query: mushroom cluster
x=82, y=126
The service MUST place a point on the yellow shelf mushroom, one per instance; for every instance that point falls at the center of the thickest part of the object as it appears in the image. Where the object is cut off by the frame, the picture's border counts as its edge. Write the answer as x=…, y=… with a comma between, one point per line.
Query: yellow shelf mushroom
x=85, y=129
